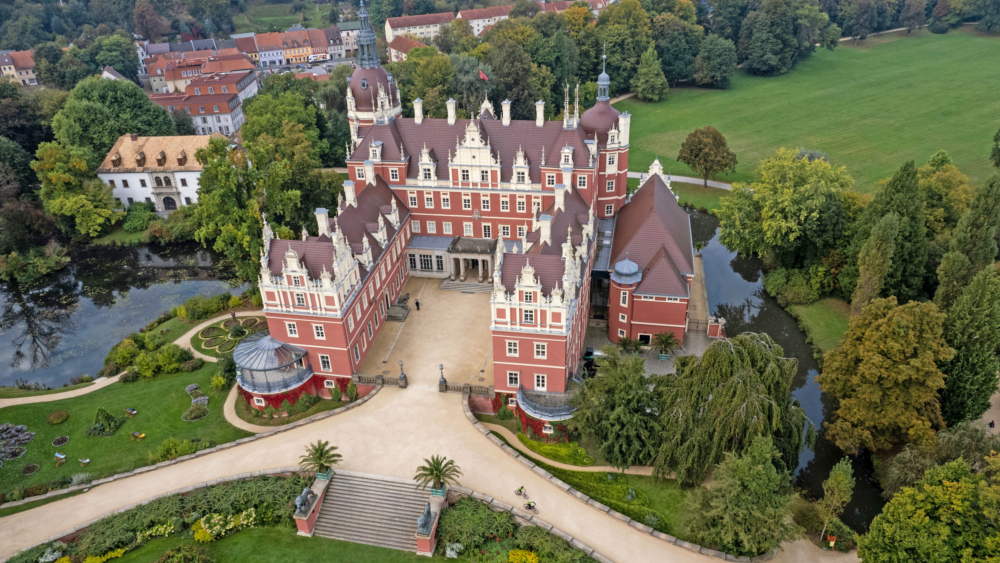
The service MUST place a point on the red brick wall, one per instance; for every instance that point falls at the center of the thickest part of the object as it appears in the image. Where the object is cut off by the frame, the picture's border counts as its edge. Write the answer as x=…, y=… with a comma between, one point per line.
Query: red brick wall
x=642, y=316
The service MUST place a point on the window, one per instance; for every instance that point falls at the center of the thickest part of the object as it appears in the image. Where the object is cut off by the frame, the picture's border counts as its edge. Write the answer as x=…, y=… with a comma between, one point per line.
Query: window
x=374, y=154
x=622, y=318
x=512, y=402
x=111, y=183
x=445, y=201
x=124, y=183
x=547, y=428
x=468, y=229
x=201, y=109
x=319, y=331
x=215, y=109
x=142, y=183
x=505, y=231
x=446, y=227
x=357, y=355
x=431, y=227
x=611, y=160
x=529, y=297
x=528, y=317
x=296, y=281
x=487, y=231
x=550, y=179
x=621, y=333
x=370, y=333
x=130, y=201
x=540, y=382
x=484, y=175
x=536, y=205
x=225, y=90
x=520, y=177
x=425, y=262
x=624, y=298
x=512, y=348
x=673, y=300
x=429, y=201
x=416, y=226
x=611, y=186
x=565, y=158
x=184, y=182
x=581, y=182
x=520, y=206
x=520, y=231
x=292, y=329
x=540, y=350
x=465, y=175
x=187, y=201
x=413, y=201
x=609, y=209
x=258, y=401
x=350, y=323
x=427, y=173
x=466, y=203
x=300, y=299
x=439, y=263
x=393, y=174
x=413, y=261
x=504, y=205
x=512, y=379
x=485, y=202
x=360, y=173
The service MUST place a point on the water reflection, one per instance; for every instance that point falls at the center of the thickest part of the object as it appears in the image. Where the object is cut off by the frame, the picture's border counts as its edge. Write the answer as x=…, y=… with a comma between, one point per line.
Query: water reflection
x=736, y=293
x=64, y=325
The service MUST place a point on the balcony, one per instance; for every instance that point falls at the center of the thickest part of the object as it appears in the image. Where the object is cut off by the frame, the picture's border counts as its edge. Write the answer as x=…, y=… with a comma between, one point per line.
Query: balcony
x=546, y=406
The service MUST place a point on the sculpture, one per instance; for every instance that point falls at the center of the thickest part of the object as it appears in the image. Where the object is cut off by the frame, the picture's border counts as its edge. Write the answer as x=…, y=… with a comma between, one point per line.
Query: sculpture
x=304, y=501
x=425, y=521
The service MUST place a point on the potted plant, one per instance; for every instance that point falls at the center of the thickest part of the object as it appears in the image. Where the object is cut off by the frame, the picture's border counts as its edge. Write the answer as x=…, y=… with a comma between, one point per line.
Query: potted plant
x=437, y=471
x=320, y=458
x=666, y=342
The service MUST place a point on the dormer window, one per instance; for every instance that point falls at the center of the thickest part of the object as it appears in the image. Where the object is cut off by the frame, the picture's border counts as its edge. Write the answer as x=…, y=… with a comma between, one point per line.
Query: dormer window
x=427, y=173
x=611, y=138
x=565, y=159
x=520, y=177
x=374, y=154
x=197, y=91
x=211, y=90
x=364, y=83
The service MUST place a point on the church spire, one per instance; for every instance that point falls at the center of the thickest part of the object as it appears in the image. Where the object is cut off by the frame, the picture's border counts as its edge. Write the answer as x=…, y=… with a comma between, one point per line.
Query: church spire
x=367, y=54
x=603, y=81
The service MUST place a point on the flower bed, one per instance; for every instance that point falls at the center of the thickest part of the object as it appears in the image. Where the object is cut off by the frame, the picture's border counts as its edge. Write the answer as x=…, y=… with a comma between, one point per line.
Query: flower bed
x=60, y=441
x=249, y=323
x=211, y=332
x=196, y=412
x=227, y=346
x=213, y=342
x=223, y=336
x=30, y=469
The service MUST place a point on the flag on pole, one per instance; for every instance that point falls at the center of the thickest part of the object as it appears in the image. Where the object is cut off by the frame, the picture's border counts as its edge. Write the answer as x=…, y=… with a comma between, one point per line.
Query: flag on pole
x=483, y=75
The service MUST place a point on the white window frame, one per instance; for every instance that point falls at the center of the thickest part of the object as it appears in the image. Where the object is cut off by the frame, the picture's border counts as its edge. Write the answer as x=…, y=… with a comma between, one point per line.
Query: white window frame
x=484, y=176
x=609, y=209
x=445, y=201
x=521, y=206
x=550, y=180
x=413, y=201
x=622, y=317
x=624, y=300
x=547, y=429
x=416, y=226
x=504, y=204
x=431, y=228
x=528, y=316
x=428, y=201
x=621, y=333
x=466, y=203
x=520, y=231
x=610, y=187
x=259, y=401
x=467, y=229
x=394, y=174
x=505, y=231
x=330, y=384
x=512, y=348
x=484, y=202
x=487, y=230
x=292, y=329
x=319, y=332
x=513, y=379
x=543, y=348
x=359, y=172
x=324, y=362
x=300, y=299
x=541, y=382
x=512, y=402
x=673, y=299
x=611, y=159
x=357, y=355
x=446, y=227
x=581, y=181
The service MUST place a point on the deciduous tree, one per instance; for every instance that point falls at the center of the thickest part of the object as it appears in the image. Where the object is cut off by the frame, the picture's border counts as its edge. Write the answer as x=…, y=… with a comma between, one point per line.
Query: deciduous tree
x=147, y=23
x=715, y=64
x=995, y=153
x=874, y=262
x=974, y=244
x=837, y=491
x=183, y=122
x=885, y=378
x=737, y=391
x=706, y=151
x=70, y=192
x=767, y=44
x=649, y=83
x=747, y=510
x=914, y=15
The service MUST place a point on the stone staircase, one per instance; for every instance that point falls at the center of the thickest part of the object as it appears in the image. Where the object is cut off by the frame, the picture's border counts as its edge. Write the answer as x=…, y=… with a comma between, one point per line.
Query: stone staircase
x=398, y=312
x=372, y=511
x=466, y=287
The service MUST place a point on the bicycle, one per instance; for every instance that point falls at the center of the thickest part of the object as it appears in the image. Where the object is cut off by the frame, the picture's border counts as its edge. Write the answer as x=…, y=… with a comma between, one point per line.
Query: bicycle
x=530, y=505
x=521, y=493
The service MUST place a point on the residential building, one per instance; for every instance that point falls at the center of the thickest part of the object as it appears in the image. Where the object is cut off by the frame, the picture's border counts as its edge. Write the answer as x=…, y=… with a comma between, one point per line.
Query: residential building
x=482, y=18
x=211, y=113
x=158, y=170
x=334, y=42
x=247, y=45
x=270, y=49
x=400, y=47
x=349, y=34
x=243, y=83
x=423, y=27
x=172, y=72
x=19, y=66
x=146, y=49
x=110, y=73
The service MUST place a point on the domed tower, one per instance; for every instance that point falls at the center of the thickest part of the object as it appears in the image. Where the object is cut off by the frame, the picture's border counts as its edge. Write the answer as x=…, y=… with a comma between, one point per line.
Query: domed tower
x=610, y=129
x=624, y=279
x=372, y=95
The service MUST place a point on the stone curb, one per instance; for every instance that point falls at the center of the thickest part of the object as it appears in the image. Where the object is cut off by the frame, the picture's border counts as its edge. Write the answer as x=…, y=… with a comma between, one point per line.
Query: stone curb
x=199, y=453
x=639, y=526
x=239, y=477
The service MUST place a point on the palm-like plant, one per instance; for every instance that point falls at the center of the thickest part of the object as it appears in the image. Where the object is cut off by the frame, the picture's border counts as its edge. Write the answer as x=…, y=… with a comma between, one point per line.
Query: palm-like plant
x=666, y=342
x=628, y=345
x=320, y=457
x=437, y=471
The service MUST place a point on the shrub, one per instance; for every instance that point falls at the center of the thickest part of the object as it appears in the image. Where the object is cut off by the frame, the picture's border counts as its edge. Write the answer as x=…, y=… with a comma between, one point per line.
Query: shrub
x=235, y=302
x=807, y=515
x=14, y=496
x=110, y=370
x=172, y=448
x=504, y=413
x=352, y=391
x=219, y=383
x=195, y=412
x=35, y=490
x=57, y=417
x=227, y=369
x=130, y=376
x=472, y=524
x=185, y=554
x=124, y=353
x=146, y=364
x=570, y=453
x=521, y=556
x=171, y=357
x=257, y=300
x=192, y=364
x=138, y=217
x=83, y=378
x=179, y=226
x=790, y=287
x=153, y=341
x=846, y=538
x=105, y=423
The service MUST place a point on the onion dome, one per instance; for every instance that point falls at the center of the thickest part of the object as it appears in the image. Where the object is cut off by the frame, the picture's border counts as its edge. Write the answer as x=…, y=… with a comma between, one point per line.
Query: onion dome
x=626, y=272
x=364, y=83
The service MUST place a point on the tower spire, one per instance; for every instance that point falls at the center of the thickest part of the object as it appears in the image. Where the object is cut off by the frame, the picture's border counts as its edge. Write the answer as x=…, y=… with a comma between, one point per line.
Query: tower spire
x=367, y=54
x=604, y=81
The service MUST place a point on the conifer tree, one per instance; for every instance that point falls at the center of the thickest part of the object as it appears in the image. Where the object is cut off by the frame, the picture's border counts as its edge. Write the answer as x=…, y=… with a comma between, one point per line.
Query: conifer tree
x=649, y=83
x=837, y=491
x=974, y=245
x=973, y=330
x=874, y=262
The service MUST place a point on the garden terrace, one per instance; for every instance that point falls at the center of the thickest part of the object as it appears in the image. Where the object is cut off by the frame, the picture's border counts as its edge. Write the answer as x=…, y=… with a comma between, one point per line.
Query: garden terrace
x=223, y=336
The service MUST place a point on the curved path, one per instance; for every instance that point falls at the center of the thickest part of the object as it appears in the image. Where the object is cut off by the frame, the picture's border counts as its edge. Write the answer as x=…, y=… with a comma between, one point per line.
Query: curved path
x=688, y=180
x=391, y=435
x=229, y=411
x=185, y=340
x=99, y=383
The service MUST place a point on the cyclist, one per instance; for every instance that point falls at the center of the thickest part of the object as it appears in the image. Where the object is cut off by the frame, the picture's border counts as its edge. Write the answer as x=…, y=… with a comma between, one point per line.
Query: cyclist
x=520, y=490
x=530, y=505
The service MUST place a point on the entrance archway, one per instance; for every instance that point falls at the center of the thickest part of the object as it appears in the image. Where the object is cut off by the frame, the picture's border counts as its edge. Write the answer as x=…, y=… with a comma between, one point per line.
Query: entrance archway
x=169, y=204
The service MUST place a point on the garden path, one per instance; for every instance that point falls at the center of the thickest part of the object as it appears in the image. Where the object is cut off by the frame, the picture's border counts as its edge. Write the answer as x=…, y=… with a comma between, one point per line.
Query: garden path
x=229, y=411
x=516, y=444
x=185, y=341
x=99, y=383
x=688, y=180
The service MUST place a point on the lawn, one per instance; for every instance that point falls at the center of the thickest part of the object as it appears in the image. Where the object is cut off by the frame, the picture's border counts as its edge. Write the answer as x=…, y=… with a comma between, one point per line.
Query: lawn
x=14, y=392
x=869, y=109
x=160, y=402
x=570, y=454
x=222, y=343
x=825, y=321
x=267, y=545
x=120, y=237
x=260, y=18
x=693, y=195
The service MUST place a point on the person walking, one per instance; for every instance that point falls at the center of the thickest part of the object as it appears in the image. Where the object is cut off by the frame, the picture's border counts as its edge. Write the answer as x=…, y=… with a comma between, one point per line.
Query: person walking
x=417, y=303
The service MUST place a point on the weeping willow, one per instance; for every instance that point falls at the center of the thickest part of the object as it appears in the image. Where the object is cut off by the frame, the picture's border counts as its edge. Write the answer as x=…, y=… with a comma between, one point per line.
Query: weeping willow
x=738, y=390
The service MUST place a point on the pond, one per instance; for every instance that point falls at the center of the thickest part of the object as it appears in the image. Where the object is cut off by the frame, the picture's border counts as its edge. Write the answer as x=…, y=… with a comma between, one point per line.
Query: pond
x=64, y=325
x=736, y=293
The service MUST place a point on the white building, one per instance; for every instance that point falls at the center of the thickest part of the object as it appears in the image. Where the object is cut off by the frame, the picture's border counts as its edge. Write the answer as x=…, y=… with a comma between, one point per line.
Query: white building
x=482, y=18
x=158, y=170
x=423, y=27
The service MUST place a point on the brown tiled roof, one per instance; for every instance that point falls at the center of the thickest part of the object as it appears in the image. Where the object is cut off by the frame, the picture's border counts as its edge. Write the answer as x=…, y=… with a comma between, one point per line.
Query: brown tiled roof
x=557, y=6
x=246, y=44
x=357, y=223
x=23, y=60
x=268, y=41
x=313, y=76
x=656, y=233
x=227, y=64
x=208, y=101
x=425, y=19
x=317, y=39
x=441, y=137
x=485, y=13
x=403, y=44
x=576, y=214
x=126, y=148
x=548, y=269
x=218, y=79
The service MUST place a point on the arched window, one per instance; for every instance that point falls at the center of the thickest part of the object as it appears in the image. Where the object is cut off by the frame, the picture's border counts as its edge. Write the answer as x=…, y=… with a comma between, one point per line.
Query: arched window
x=158, y=181
x=169, y=204
x=166, y=181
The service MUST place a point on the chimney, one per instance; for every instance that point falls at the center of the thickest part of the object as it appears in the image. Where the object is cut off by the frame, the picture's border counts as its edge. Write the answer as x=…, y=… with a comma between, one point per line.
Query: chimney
x=545, y=224
x=323, y=221
x=349, y=198
x=134, y=137
x=560, y=197
x=624, y=124
x=539, y=113
x=418, y=111
x=506, y=112
x=451, y=111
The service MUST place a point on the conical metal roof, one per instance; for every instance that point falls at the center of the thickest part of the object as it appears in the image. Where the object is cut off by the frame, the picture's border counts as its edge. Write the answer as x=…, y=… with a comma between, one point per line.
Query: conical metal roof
x=261, y=352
